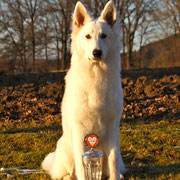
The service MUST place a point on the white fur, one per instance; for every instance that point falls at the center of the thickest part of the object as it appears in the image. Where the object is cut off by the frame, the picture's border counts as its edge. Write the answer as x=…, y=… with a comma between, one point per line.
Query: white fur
x=93, y=99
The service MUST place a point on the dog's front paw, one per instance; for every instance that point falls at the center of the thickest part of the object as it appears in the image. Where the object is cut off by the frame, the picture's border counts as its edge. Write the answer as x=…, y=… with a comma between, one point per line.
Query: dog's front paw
x=68, y=177
x=113, y=178
x=121, y=177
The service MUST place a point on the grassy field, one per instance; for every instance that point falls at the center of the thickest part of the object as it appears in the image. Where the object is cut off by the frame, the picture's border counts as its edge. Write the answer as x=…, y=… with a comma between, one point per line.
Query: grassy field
x=150, y=148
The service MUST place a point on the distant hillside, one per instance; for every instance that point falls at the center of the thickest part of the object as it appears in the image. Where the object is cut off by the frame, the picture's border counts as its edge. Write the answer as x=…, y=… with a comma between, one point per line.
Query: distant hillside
x=159, y=54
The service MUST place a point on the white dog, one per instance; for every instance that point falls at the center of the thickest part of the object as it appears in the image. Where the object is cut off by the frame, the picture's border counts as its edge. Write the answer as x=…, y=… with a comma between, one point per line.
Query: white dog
x=93, y=99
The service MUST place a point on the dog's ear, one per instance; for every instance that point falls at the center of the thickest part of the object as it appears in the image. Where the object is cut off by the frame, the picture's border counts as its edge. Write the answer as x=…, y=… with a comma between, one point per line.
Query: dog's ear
x=109, y=13
x=80, y=16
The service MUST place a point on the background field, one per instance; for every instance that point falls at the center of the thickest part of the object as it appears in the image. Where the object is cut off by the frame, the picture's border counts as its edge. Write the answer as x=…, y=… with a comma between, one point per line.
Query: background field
x=31, y=123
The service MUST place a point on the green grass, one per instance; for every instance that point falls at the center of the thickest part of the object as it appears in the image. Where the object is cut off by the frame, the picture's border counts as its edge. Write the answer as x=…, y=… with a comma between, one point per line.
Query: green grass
x=150, y=148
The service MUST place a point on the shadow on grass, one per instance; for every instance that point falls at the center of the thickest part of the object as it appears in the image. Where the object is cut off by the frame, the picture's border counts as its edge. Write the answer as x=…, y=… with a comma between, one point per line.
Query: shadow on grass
x=147, y=167
x=151, y=119
x=33, y=129
x=152, y=171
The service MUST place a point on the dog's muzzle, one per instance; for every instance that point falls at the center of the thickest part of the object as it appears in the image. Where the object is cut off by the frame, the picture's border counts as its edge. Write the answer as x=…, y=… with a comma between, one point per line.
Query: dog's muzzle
x=97, y=53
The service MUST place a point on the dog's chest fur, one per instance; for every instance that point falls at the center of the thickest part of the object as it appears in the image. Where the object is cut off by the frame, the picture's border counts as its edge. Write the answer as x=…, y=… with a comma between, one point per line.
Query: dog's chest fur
x=95, y=95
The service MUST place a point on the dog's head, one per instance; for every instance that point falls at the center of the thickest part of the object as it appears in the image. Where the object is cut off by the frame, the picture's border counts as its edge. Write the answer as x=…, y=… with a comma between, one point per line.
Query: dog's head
x=95, y=39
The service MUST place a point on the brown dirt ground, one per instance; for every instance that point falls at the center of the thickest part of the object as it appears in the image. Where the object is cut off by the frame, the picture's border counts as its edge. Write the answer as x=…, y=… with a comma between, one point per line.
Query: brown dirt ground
x=147, y=93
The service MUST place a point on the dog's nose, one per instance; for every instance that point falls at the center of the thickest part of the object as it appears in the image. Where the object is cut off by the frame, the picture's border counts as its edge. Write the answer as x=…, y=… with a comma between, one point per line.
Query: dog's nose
x=97, y=53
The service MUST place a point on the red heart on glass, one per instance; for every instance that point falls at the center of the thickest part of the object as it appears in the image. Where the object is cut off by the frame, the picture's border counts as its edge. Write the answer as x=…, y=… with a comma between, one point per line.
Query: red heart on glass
x=91, y=140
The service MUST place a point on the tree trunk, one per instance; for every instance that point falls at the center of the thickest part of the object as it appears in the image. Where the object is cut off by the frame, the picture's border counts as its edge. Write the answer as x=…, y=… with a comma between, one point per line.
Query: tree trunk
x=33, y=45
x=58, y=54
x=23, y=51
x=128, y=57
x=123, y=45
x=46, y=47
x=63, y=60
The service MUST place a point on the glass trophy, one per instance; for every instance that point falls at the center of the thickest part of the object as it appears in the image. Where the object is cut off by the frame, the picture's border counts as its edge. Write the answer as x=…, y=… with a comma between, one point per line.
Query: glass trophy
x=92, y=160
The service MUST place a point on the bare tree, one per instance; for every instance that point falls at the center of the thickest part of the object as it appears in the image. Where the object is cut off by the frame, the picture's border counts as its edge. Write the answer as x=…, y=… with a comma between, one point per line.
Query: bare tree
x=169, y=16
x=44, y=35
x=57, y=36
x=143, y=33
x=95, y=6
x=32, y=7
x=136, y=15
x=61, y=12
x=66, y=10
x=41, y=28
x=13, y=22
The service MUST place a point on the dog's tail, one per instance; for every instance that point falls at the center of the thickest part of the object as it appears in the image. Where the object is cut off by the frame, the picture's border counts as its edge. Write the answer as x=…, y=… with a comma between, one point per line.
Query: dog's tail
x=47, y=163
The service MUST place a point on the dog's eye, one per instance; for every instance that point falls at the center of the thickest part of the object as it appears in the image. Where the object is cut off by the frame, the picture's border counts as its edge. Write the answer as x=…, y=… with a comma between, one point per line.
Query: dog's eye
x=103, y=36
x=88, y=36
